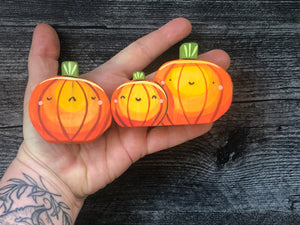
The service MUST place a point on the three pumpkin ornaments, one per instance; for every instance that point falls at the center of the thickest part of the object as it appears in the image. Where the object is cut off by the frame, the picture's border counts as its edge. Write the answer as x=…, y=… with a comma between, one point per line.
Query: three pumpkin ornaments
x=139, y=103
x=68, y=109
x=198, y=91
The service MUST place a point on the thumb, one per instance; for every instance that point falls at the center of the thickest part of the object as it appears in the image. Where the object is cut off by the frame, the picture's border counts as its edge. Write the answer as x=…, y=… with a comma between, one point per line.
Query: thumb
x=42, y=63
x=43, y=56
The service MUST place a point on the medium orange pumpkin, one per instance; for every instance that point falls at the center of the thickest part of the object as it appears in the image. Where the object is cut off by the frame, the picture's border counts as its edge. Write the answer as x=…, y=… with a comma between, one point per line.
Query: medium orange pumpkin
x=139, y=103
x=198, y=91
x=69, y=109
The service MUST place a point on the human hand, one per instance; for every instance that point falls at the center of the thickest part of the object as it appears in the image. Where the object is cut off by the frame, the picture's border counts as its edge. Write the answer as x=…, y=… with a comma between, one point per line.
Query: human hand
x=86, y=168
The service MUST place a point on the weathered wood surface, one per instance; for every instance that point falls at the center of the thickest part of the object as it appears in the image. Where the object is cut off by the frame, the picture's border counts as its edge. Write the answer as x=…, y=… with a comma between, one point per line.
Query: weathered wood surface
x=246, y=170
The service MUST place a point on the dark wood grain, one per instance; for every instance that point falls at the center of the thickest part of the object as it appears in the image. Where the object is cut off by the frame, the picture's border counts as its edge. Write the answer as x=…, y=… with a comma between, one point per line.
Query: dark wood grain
x=149, y=13
x=246, y=170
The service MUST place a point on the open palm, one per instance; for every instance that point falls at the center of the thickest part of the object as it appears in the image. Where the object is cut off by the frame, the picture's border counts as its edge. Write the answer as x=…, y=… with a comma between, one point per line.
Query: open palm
x=85, y=168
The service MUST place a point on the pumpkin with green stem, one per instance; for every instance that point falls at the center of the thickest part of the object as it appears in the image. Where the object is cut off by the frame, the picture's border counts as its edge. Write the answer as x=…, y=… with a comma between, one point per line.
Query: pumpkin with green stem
x=68, y=109
x=198, y=91
x=139, y=103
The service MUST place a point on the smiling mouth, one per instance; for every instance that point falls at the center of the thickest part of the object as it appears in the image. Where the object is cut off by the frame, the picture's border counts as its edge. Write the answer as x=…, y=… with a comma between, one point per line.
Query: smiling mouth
x=72, y=98
x=191, y=83
x=138, y=99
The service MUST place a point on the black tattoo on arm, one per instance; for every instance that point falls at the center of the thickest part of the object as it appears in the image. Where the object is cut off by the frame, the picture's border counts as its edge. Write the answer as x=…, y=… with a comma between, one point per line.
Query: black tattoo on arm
x=43, y=207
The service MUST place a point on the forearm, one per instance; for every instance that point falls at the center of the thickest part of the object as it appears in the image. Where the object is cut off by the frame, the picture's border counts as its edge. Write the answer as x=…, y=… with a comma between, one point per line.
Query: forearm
x=31, y=194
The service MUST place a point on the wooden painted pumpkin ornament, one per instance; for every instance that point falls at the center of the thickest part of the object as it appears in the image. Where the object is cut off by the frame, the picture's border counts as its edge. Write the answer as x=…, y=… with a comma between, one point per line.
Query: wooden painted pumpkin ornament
x=69, y=109
x=198, y=91
x=139, y=103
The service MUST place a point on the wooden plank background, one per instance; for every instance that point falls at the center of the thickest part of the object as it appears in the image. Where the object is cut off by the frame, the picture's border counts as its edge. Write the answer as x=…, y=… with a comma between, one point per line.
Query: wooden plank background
x=246, y=170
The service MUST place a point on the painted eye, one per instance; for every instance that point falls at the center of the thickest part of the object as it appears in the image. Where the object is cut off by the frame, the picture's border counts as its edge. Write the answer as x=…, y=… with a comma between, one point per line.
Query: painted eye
x=170, y=79
x=191, y=83
x=154, y=97
x=213, y=82
x=122, y=97
x=49, y=99
x=93, y=98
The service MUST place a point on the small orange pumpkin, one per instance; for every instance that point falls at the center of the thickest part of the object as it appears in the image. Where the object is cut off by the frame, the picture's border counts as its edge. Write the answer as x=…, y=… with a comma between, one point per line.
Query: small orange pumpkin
x=139, y=103
x=68, y=109
x=198, y=91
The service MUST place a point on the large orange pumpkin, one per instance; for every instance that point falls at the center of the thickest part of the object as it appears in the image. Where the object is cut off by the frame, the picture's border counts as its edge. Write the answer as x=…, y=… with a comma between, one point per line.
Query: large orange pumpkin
x=198, y=91
x=69, y=109
x=139, y=103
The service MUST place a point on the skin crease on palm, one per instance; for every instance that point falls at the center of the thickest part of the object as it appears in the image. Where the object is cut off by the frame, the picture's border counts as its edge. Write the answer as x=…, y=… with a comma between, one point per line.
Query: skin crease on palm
x=82, y=169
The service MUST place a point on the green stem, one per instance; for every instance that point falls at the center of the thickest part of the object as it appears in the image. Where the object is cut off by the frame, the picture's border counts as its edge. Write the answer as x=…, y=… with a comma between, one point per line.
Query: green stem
x=188, y=51
x=69, y=68
x=139, y=75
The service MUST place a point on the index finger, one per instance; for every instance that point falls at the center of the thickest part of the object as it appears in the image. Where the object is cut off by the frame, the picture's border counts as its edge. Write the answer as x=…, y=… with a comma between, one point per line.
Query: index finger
x=142, y=52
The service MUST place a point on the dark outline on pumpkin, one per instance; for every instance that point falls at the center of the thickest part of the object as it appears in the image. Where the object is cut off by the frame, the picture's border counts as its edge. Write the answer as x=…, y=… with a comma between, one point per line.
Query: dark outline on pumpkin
x=39, y=111
x=206, y=93
x=221, y=95
x=161, y=107
x=114, y=107
x=103, y=128
x=178, y=93
x=149, y=103
x=164, y=78
x=128, y=116
x=99, y=113
x=57, y=112
x=86, y=110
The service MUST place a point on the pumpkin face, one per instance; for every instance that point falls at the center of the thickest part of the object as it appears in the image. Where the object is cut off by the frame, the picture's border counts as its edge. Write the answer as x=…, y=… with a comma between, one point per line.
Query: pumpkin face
x=138, y=103
x=67, y=110
x=198, y=91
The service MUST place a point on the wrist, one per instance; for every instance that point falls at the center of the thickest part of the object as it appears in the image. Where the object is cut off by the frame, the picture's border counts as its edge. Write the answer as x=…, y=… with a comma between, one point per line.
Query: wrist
x=41, y=186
